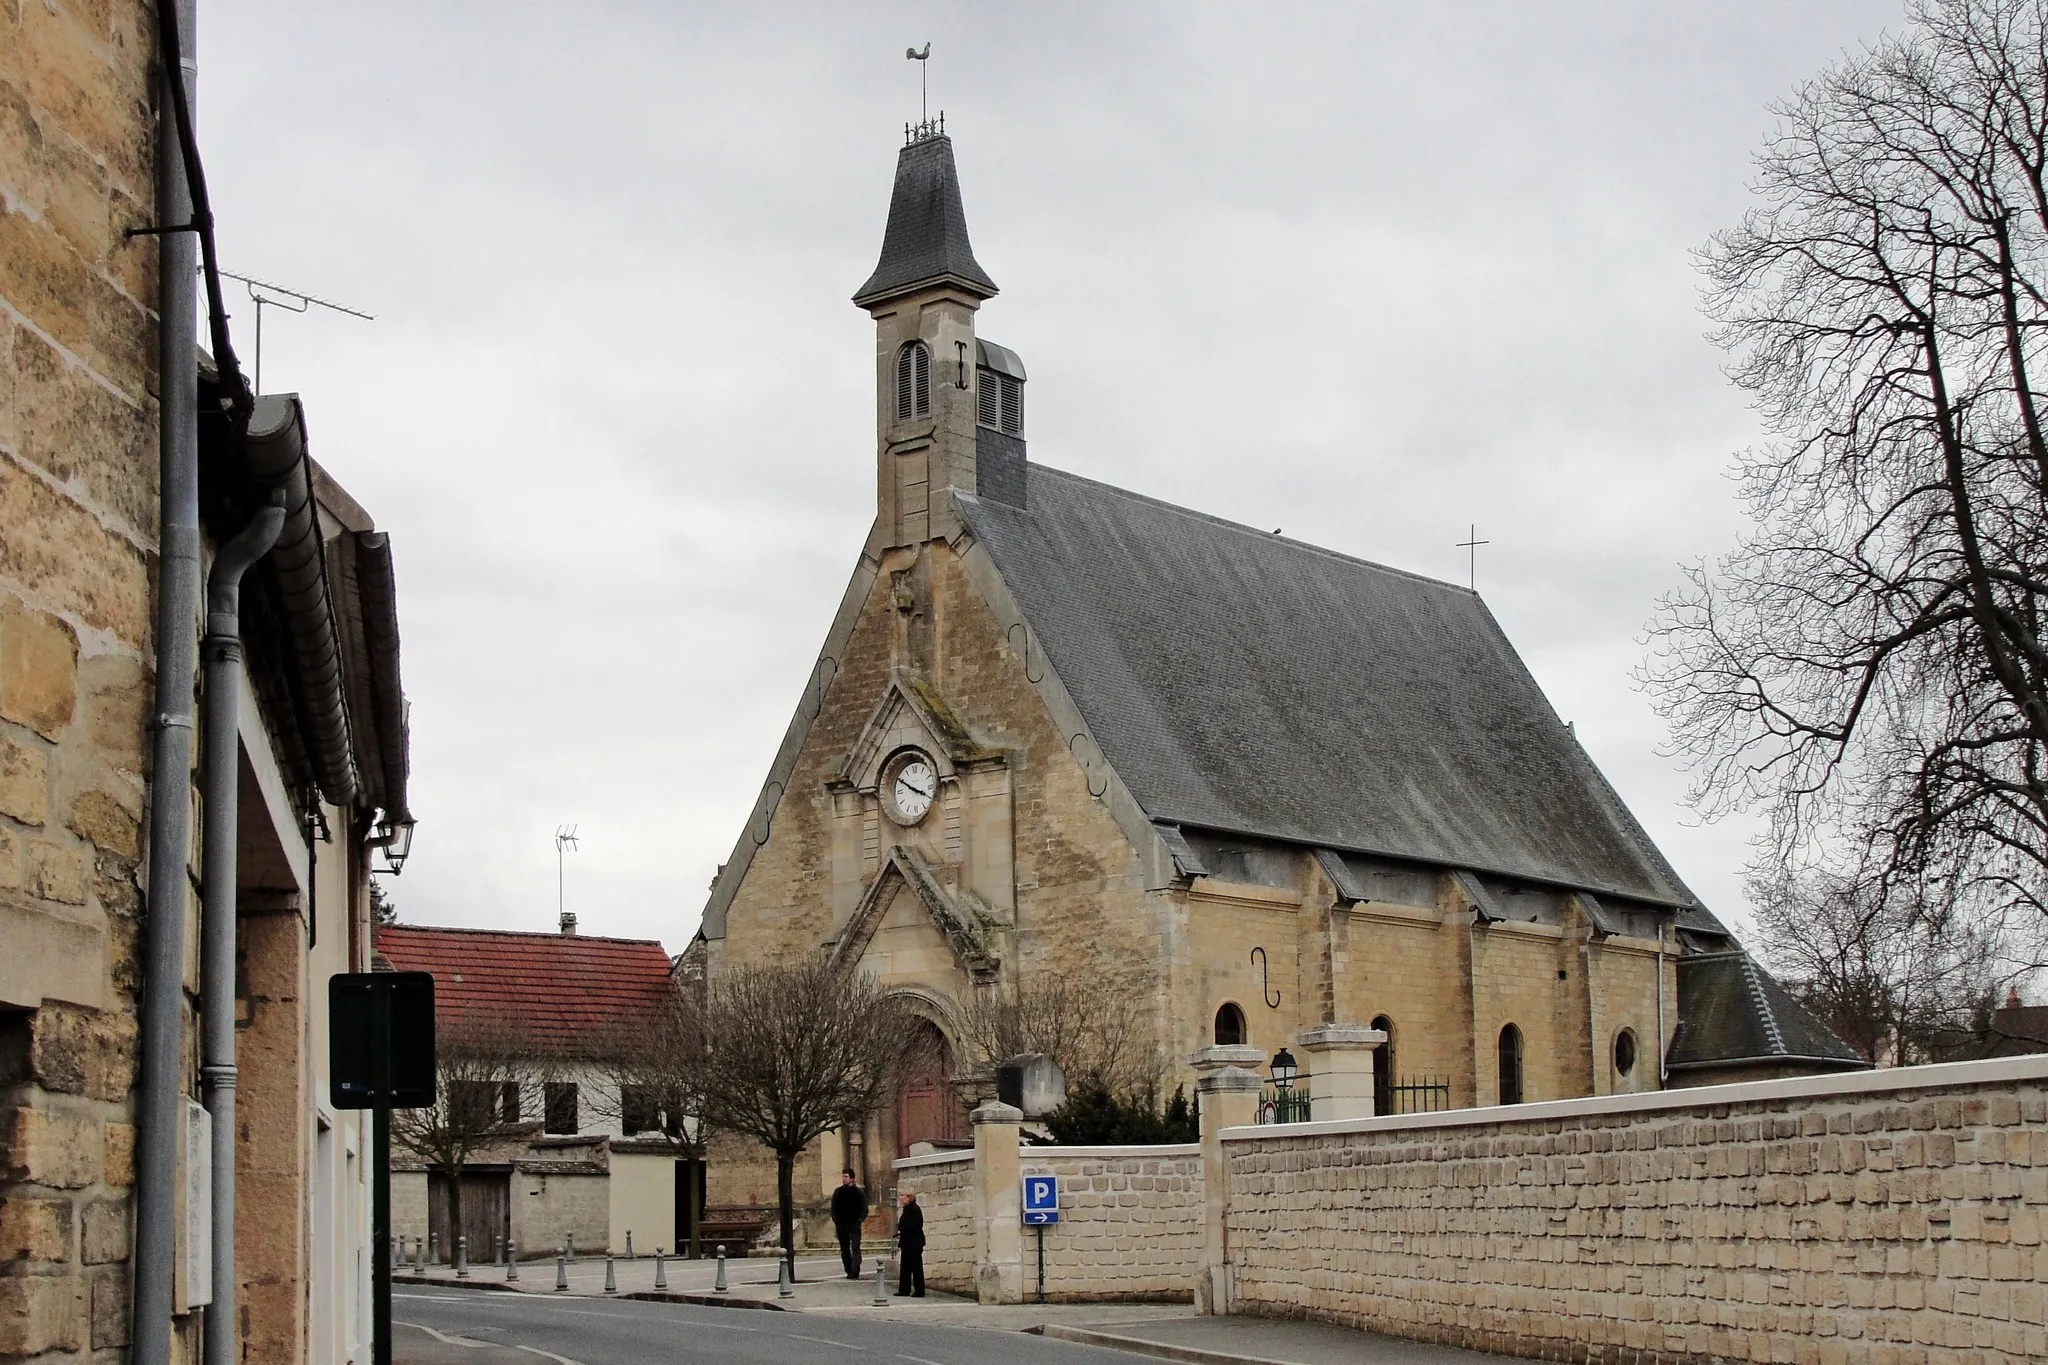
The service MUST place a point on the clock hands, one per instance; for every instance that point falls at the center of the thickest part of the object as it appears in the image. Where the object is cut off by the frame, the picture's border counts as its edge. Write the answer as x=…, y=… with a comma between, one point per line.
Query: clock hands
x=905, y=779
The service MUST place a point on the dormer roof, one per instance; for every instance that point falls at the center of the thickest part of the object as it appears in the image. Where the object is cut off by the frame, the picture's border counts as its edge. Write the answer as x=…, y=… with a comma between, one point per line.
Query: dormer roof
x=926, y=242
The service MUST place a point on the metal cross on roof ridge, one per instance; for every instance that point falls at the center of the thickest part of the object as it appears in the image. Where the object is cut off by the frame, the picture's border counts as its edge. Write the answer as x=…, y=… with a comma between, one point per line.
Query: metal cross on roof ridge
x=1471, y=545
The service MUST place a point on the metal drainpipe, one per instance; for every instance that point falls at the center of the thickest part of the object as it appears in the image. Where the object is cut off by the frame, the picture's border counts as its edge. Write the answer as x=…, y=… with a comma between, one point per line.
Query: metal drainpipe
x=219, y=781
x=162, y=1024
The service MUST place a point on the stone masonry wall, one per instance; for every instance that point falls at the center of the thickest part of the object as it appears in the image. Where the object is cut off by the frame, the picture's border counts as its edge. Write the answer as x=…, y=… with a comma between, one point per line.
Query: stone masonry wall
x=1130, y=1221
x=1877, y=1216
x=77, y=530
x=944, y=1186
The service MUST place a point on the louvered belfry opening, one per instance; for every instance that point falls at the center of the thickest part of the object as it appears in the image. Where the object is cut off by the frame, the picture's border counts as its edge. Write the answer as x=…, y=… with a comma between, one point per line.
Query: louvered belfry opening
x=913, y=382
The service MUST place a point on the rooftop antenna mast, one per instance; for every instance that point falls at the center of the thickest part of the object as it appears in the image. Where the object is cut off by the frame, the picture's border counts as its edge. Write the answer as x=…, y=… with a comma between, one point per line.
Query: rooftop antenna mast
x=565, y=844
x=292, y=301
x=924, y=93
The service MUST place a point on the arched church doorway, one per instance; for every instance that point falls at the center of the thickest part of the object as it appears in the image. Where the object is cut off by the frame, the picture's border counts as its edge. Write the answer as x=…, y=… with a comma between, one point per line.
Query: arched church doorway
x=927, y=1107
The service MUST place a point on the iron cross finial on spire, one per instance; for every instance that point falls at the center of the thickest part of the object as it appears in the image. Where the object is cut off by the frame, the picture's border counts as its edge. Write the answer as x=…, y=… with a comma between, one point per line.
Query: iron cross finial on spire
x=924, y=93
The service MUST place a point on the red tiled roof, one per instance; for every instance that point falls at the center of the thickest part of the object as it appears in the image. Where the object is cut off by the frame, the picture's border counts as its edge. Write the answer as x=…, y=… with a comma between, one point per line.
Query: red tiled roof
x=560, y=992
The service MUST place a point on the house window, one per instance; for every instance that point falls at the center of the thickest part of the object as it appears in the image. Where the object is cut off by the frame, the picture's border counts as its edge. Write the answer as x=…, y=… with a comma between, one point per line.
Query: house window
x=913, y=382
x=1383, y=1067
x=1229, y=1026
x=1624, y=1052
x=472, y=1105
x=561, y=1111
x=508, y=1102
x=639, y=1109
x=1510, y=1065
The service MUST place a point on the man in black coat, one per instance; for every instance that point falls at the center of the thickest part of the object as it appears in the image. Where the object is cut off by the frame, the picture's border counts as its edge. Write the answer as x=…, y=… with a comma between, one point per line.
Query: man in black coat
x=910, y=1248
x=849, y=1211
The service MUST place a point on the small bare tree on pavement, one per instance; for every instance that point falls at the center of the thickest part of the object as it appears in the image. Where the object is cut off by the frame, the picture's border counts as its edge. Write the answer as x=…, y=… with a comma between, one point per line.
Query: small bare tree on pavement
x=481, y=1065
x=1868, y=664
x=793, y=1051
x=657, y=1076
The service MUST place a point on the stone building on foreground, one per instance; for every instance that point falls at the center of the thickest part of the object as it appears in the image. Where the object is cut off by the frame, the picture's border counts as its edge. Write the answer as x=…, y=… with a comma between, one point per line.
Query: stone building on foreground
x=1286, y=797
x=317, y=761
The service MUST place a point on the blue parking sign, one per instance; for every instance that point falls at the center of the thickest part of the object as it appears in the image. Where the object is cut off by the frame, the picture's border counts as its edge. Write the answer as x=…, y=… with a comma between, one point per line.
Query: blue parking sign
x=1041, y=1200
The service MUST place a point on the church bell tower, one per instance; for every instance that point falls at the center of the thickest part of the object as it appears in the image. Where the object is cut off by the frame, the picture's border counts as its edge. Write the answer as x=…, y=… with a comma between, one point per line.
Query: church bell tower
x=923, y=296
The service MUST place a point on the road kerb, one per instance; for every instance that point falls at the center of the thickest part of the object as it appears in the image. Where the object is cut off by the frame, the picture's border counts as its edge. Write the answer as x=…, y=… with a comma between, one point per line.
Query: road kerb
x=1194, y=1355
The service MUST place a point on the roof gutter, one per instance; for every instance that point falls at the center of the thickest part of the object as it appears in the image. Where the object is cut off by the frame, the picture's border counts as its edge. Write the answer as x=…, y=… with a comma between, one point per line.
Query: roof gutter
x=274, y=454
x=377, y=585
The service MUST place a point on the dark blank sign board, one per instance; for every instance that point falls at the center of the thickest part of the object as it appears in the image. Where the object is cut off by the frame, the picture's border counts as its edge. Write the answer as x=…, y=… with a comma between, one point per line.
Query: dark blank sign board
x=399, y=1008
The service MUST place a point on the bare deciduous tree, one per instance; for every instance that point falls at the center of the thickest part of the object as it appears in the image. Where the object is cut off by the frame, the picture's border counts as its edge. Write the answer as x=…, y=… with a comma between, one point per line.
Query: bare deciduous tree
x=1100, y=1035
x=1868, y=665
x=793, y=1051
x=476, y=1061
x=1887, y=977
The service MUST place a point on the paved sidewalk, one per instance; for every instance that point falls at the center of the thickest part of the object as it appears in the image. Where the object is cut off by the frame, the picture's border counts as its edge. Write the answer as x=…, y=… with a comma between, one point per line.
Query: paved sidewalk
x=1258, y=1341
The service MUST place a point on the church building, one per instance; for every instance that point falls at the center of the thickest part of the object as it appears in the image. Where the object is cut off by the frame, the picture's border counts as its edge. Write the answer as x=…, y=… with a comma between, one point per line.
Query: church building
x=1264, y=787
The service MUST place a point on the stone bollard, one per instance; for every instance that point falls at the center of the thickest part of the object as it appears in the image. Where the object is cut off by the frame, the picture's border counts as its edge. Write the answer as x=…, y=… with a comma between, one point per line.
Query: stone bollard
x=611, y=1280
x=511, y=1260
x=569, y=1245
x=784, y=1289
x=419, y=1256
x=660, y=1271
x=462, y=1257
x=718, y=1285
x=881, y=1282
x=561, y=1271
x=498, y=1247
x=629, y=1246
x=434, y=1247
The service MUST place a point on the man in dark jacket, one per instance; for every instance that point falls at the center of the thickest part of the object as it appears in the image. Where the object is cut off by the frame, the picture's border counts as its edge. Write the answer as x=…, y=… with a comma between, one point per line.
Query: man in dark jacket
x=910, y=1248
x=849, y=1211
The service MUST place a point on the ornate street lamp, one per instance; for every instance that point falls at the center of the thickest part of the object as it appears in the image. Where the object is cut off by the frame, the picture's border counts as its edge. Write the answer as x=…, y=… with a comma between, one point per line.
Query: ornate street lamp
x=394, y=839
x=1283, y=1070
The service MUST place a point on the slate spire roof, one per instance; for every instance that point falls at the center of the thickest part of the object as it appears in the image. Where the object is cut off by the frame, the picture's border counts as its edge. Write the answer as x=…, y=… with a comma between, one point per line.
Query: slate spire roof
x=1248, y=684
x=926, y=240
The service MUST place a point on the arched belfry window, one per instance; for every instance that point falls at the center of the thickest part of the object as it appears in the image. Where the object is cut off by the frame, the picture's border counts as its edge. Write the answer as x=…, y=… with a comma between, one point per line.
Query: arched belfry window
x=913, y=382
x=1510, y=1065
x=1229, y=1026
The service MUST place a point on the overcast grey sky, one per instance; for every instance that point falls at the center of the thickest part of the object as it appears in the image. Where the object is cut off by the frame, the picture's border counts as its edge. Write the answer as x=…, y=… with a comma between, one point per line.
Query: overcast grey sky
x=1370, y=273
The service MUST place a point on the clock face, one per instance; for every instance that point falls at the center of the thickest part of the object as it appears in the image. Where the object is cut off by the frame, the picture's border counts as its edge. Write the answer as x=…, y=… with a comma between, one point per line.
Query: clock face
x=909, y=786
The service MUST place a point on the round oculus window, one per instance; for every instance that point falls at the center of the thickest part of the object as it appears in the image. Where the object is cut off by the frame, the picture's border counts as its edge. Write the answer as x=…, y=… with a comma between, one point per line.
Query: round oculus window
x=909, y=784
x=1625, y=1052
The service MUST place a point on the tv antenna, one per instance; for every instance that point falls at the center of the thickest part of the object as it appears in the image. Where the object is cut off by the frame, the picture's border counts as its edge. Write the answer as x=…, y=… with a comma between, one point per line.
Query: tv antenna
x=565, y=844
x=924, y=93
x=292, y=301
x=1470, y=544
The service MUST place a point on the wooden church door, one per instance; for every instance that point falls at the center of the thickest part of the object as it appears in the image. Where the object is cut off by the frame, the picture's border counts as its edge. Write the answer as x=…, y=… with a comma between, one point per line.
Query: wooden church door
x=927, y=1109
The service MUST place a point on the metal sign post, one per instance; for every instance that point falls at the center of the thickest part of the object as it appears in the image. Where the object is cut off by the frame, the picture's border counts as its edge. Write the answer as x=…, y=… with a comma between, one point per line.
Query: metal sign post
x=1041, y=1206
x=380, y=1058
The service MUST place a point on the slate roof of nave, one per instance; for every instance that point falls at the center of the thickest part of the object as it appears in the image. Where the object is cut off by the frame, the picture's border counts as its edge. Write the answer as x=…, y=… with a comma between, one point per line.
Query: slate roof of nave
x=1243, y=682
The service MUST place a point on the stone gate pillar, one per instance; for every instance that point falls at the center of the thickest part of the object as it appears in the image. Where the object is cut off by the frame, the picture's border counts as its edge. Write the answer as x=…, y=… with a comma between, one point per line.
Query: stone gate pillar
x=998, y=1231
x=1340, y=1070
x=1229, y=1097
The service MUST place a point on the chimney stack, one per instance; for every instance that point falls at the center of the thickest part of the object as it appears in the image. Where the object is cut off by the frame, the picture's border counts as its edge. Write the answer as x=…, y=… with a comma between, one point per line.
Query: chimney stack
x=568, y=924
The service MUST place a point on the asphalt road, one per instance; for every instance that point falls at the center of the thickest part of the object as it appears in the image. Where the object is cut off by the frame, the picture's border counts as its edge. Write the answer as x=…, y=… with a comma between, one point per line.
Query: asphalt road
x=529, y=1330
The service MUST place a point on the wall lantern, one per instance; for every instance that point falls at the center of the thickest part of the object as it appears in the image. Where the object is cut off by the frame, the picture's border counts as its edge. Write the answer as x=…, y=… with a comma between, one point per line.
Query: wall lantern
x=1283, y=1070
x=394, y=837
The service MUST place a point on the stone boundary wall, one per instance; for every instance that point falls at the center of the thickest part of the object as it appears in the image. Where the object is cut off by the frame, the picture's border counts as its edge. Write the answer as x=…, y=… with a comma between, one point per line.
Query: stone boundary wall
x=944, y=1185
x=1891, y=1215
x=1130, y=1223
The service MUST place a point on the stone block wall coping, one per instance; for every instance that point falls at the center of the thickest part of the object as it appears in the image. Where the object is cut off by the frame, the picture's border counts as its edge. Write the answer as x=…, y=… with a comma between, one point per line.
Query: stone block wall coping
x=1339, y=1037
x=1994, y=1071
x=1165, y=1151
x=904, y=1163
